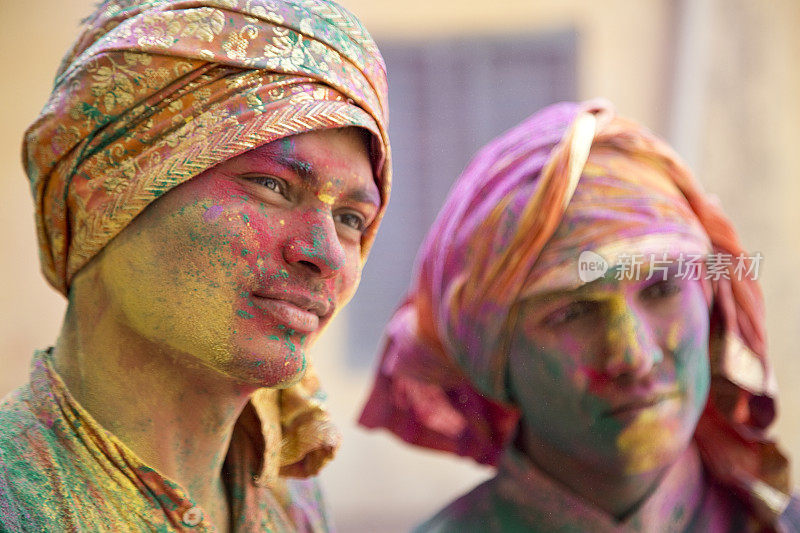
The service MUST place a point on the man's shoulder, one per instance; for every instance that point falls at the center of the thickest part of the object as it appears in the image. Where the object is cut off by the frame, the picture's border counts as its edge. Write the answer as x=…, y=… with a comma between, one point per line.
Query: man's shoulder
x=482, y=509
x=25, y=469
x=17, y=421
x=21, y=433
x=790, y=519
x=31, y=456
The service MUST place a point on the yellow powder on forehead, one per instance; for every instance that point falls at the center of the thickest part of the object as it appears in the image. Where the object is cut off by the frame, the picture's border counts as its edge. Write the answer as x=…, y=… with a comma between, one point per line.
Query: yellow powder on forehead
x=325, y=195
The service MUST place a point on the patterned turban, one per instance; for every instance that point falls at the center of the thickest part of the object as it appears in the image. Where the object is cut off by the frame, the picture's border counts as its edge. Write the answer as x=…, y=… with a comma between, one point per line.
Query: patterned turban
x=154, y=92
x=570, y=178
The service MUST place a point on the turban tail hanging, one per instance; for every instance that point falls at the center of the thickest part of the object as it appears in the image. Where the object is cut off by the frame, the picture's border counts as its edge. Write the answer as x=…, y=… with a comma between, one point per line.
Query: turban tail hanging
x=441, y=379
x=155, y=92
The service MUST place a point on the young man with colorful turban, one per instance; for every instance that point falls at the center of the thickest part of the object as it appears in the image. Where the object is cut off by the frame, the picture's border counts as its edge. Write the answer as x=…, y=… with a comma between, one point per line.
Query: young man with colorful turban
x=578, y=320
x=208, y=177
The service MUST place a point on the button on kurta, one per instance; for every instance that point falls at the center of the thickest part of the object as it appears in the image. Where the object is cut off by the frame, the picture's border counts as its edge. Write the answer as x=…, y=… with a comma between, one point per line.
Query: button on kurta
x=192, y=516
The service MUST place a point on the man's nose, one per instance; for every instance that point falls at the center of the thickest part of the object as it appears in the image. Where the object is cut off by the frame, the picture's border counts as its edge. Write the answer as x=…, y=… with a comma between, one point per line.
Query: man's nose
x=632, y=349
x=315, y=247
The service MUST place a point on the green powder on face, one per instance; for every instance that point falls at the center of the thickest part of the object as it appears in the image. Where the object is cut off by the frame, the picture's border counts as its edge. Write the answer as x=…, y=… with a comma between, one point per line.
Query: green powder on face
x=281, y=274
x=554, y=368
x=288, y=342
x=244, y=314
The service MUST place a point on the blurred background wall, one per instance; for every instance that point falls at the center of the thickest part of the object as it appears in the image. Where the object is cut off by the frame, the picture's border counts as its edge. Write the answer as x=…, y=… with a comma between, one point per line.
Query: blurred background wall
x=718, y=78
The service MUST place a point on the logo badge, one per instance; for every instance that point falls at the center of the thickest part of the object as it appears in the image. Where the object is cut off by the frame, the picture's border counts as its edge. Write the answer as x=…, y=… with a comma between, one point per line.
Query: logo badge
x=591, y=266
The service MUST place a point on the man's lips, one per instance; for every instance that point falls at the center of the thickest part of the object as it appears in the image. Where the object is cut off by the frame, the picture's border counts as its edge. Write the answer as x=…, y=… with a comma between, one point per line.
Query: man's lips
x=639, y=404
x=296, y=311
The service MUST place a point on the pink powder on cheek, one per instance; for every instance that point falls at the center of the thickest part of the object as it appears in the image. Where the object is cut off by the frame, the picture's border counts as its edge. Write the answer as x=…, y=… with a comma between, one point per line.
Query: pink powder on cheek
x=212, y=213
x=574, y=348
x=580, y=361
x=255, y=239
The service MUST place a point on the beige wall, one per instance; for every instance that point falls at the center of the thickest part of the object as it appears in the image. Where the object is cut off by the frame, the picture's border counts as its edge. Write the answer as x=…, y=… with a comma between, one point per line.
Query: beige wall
x=31, y=45
x=750, y=133
x=746, y=121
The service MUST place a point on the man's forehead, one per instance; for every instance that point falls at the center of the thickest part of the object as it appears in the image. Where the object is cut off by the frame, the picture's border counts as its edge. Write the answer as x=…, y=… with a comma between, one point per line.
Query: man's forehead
x=650, y=255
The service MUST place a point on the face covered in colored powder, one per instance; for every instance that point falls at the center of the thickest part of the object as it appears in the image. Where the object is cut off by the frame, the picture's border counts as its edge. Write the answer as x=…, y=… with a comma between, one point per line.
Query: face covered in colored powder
x=242, y=266
x=614, y=373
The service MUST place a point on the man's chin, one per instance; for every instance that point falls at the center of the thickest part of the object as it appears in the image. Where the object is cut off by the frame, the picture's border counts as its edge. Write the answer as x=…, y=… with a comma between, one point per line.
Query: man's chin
x=290, y=375
x=273, y=372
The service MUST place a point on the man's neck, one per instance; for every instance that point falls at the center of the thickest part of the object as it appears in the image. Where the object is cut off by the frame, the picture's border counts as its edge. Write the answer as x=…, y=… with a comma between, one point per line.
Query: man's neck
x=176, y=414
x=617, y=495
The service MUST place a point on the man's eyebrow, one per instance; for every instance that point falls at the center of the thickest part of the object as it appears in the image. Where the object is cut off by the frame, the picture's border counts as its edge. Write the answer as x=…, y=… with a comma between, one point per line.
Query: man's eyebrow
x=306, y=172
x=298, y=166
x=559, y=293
x=275, y=156
x=364, y=195
x=583, y=290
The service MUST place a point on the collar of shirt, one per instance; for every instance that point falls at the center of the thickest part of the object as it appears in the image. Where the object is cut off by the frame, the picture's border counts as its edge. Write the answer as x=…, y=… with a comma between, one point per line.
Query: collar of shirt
x=112, y=474
x=676, y=501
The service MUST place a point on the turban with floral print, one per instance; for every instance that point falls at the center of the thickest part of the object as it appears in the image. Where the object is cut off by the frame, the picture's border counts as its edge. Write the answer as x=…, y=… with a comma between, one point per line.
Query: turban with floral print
x=154, y=92
x=513, y=224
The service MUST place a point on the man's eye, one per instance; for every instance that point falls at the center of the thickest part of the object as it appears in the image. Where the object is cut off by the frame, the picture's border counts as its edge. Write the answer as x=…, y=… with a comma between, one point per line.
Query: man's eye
x=352, y=220
x=660, y=290
x=571, y=312
x=273, y=184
